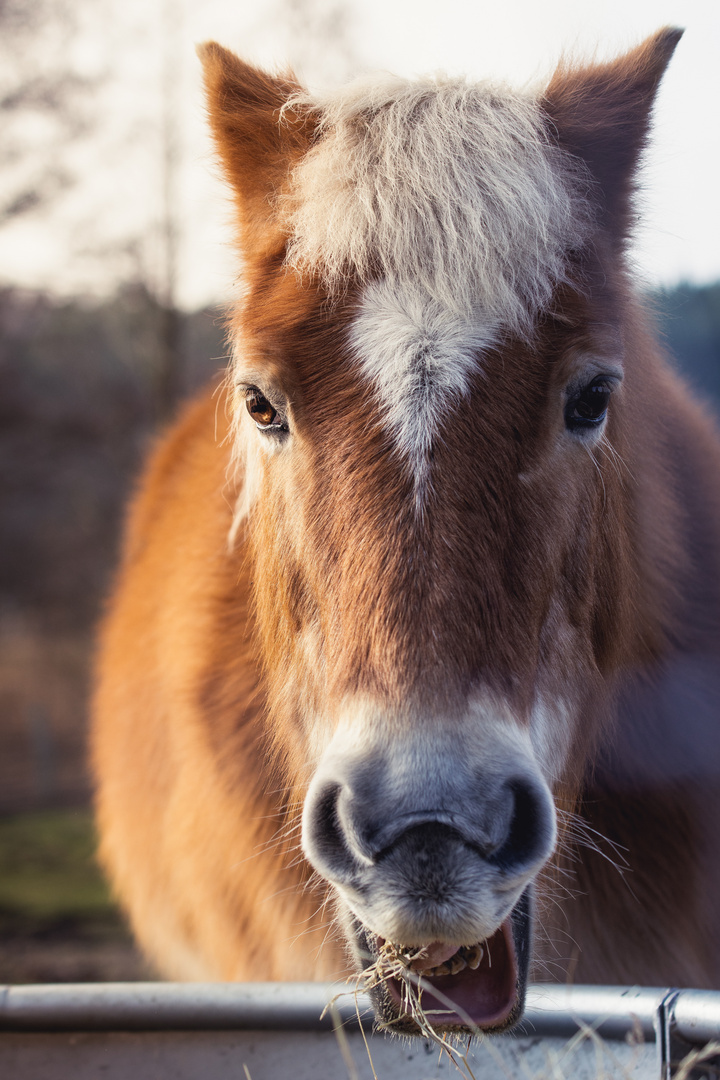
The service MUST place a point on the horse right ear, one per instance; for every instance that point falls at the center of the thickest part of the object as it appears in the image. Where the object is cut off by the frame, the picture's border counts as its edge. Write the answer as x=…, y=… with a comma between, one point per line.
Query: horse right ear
x=601, y=114
x=257, y=142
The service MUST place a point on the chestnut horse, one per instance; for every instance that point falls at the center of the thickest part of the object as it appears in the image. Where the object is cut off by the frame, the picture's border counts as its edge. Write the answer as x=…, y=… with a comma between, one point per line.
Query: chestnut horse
x=415, y=644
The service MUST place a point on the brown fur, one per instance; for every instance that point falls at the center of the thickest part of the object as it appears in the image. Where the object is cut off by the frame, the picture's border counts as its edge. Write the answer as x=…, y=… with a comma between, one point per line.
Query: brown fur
x=213, y=660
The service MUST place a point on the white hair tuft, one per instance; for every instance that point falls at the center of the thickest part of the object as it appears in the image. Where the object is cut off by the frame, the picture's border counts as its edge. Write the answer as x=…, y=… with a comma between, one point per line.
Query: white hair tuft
x=453, y=186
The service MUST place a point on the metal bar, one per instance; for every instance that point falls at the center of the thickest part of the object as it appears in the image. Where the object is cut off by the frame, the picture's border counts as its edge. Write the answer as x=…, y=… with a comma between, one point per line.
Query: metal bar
x=696, y=1016
x=552, y=1010
x=172, y=1007
x=612, y=1011
x=664, y=1033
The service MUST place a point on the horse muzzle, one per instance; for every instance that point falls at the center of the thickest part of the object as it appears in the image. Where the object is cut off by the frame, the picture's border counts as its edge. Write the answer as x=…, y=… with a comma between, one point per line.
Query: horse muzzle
x=433, y=868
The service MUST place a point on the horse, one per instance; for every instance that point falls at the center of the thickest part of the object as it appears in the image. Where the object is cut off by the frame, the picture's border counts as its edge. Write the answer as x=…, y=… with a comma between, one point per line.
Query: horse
x=411, y=664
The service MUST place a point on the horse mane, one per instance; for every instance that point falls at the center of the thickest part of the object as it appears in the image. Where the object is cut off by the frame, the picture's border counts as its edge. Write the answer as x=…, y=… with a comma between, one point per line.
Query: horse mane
x=488, y=230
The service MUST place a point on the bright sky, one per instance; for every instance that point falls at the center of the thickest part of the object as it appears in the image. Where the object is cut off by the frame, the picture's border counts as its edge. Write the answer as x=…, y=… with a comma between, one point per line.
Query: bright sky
x=115, y=207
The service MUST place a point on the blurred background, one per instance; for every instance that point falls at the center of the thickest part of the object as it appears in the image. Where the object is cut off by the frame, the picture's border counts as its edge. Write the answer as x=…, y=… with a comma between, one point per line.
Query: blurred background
x=115, y=269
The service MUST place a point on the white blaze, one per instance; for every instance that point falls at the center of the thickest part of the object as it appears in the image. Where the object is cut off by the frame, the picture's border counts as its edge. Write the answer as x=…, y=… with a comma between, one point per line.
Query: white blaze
x=419, y=356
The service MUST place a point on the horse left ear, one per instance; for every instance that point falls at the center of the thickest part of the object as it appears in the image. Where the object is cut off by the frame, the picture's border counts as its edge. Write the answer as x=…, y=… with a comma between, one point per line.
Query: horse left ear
x=258, y=140
x=601, y=114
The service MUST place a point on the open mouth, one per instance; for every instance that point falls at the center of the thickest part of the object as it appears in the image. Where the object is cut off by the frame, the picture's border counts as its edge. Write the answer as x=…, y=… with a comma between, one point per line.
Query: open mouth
x=474, y=987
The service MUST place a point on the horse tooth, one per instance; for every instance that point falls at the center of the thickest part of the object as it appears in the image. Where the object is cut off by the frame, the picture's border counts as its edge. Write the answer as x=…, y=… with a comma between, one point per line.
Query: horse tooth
x=456, y=963
x=474, y=956
x=441, y=969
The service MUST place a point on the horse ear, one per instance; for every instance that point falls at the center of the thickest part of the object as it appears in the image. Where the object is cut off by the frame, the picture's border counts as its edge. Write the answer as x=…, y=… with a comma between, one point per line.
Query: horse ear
x=601, y=114
x=257, y=142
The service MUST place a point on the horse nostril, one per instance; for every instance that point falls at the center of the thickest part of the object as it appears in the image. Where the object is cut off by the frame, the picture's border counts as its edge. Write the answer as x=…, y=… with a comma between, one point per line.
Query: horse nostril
x=330, y=837
x=321, y=825
x=529, y=832
x=511, y=829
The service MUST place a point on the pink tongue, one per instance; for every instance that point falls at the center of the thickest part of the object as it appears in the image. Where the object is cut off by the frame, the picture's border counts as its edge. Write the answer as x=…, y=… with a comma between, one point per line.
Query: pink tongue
x=437, y=952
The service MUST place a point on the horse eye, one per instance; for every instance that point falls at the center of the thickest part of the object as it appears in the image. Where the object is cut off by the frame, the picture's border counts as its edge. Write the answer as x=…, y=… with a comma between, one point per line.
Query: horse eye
x=260, y=409
x=588, y=408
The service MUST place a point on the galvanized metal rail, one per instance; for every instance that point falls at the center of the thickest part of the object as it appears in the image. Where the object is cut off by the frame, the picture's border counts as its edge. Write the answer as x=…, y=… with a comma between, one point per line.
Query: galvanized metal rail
x=612, y=1011
x=666, y=1017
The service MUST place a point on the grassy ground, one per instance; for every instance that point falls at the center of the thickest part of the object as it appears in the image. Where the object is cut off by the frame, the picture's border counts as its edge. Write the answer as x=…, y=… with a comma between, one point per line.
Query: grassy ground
x=58, y=922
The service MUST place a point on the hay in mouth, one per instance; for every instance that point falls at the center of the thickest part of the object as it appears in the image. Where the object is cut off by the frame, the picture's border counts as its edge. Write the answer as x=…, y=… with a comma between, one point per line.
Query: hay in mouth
x=439, y=988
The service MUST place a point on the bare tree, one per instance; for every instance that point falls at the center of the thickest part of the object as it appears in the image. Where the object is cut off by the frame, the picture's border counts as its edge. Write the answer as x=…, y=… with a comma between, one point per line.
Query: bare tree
x=40, y=103
x=170, y=361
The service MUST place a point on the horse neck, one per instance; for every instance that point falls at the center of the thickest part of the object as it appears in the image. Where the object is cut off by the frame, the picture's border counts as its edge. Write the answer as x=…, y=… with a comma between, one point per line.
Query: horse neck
x=644, y=857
